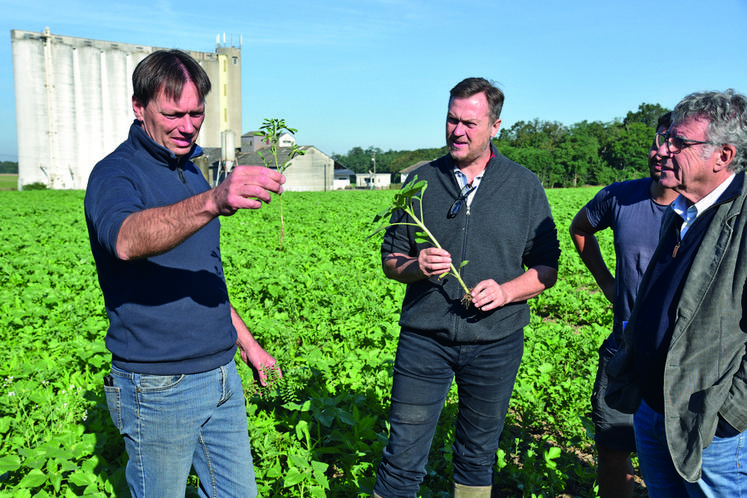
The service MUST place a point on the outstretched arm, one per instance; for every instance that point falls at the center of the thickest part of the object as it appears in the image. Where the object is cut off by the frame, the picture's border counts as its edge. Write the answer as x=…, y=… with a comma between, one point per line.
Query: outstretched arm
x=157, y=230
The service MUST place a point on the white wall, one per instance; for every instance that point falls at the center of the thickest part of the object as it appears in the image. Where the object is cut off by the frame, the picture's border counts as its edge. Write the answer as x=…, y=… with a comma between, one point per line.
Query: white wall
x=74, y=102
x=71, y=107
x=313, y=171
x=380, y=180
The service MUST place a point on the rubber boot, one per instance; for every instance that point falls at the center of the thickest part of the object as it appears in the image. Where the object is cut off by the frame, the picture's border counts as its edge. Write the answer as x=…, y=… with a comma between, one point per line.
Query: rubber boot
x=462, y=491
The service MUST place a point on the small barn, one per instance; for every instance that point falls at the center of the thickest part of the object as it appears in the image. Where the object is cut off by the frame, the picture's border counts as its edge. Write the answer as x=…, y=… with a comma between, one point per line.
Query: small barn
x=343, y=177
x=406, y=171
x=373, y=181
x=312, y=171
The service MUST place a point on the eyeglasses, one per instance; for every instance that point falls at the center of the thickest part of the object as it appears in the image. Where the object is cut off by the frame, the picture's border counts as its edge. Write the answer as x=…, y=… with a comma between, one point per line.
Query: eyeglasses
x=675, y=144
x=457, y=205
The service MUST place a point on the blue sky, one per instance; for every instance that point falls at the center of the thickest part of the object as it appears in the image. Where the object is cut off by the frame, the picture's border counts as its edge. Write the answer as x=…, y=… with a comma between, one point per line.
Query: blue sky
x=377, y=72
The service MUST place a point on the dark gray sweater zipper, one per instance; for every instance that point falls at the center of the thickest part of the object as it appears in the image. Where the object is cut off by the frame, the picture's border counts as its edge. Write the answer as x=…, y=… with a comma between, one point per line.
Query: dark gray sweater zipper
x=465, y=228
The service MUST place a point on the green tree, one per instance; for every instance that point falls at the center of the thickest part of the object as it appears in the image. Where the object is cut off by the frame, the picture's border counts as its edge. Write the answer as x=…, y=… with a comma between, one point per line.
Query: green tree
x=535, y=134
x=405, y=159
x=358, y=159
x=647, y=114
x=627, y=150
x=586, y=152
x=539, y=161
x=9, y=167
x=578, y=153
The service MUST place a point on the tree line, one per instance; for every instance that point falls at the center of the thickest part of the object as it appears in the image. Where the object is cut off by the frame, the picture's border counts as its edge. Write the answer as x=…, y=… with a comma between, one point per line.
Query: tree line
x=585, y=153
x=8, y=167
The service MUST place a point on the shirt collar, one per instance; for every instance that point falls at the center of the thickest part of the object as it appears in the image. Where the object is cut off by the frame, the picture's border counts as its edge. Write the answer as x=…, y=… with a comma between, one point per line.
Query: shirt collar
x=680, y=203
x=461, y=178
x=160, y=152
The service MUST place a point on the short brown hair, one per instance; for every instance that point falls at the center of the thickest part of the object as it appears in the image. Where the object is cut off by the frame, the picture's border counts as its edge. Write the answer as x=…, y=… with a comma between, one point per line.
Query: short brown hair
x=168, y=71
x=472, y=86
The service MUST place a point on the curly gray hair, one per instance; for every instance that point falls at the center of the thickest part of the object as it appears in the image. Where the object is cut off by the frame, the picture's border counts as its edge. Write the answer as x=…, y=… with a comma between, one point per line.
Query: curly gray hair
x=726, y=113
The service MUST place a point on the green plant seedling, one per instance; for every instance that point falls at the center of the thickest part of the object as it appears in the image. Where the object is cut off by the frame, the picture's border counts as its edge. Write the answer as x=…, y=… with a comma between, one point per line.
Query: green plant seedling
x=404, y=199
x=270, y=132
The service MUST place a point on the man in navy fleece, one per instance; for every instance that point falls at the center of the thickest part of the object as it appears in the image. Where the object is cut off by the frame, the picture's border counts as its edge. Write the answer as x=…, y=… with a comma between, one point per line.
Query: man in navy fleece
x=174, y=392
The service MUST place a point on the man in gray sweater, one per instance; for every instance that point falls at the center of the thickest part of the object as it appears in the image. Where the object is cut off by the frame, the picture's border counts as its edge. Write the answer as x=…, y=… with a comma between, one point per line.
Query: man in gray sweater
x=486, y=209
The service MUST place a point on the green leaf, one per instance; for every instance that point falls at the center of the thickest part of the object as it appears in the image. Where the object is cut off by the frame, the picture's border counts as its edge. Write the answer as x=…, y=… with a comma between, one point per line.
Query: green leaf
x=552, y=453
x=298, y=461
x=17, y=493
x=33, y=479
x=346, y=418
x=318, y=492
x=9, y=463
x=302, y=430
x=292, y=477
x=422, y=238
x=385, y=214
x=306, y=406
x=82, y=478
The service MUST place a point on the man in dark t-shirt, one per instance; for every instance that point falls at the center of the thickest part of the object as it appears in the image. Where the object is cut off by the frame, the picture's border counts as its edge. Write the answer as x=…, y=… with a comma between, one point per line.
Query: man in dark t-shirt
x=633, y=210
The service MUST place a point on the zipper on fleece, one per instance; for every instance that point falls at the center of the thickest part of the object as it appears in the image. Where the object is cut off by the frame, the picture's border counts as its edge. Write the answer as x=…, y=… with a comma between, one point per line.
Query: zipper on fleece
x=457, y=322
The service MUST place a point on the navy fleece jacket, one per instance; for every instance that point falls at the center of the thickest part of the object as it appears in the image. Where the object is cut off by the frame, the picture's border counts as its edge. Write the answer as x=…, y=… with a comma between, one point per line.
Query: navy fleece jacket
x=169, y=314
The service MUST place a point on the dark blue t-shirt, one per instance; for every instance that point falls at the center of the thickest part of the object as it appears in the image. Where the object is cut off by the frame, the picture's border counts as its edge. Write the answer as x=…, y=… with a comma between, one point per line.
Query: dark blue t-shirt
x=627, y=208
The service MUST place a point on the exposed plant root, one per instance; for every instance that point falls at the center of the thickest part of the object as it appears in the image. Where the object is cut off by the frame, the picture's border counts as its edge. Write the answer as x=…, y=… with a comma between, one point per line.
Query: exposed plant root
x=467, y=299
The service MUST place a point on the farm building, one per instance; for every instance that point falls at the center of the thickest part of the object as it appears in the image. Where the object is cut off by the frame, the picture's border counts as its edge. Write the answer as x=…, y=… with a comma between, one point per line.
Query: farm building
x=373, y=180
x=74, y=102
x=406, y=171
x=342, y=177
x=253, y=141
x=312, y=171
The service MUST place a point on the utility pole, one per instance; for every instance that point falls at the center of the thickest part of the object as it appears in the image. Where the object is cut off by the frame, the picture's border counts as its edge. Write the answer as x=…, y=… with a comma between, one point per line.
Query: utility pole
x=373, y=177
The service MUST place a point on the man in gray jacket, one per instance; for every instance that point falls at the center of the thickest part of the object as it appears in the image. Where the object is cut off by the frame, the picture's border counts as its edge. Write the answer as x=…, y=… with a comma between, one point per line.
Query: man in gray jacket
x=493, y=213
x=683, y=367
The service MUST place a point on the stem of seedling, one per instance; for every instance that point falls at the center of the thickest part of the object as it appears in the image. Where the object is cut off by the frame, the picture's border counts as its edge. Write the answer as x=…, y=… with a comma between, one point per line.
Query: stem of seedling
x=413, y=191
x=270, y=132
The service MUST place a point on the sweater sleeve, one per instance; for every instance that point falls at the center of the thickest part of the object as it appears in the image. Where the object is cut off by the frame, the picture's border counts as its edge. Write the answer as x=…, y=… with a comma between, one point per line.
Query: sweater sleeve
x=399, y=238
x=542, y=247
x=110, y=198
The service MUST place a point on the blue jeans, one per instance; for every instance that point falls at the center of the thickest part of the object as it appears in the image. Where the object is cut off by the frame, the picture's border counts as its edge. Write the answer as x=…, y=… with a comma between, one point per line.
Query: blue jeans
x=173, y=422
x=424, y=369
x=724, y=462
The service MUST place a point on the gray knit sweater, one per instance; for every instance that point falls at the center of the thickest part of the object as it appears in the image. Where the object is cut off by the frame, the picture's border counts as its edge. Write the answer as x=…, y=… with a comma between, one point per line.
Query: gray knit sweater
x=507, y=229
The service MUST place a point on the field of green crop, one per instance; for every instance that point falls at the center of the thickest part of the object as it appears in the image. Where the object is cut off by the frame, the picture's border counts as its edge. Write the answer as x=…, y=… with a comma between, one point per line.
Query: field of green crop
x=321, y=305
x=8, y=182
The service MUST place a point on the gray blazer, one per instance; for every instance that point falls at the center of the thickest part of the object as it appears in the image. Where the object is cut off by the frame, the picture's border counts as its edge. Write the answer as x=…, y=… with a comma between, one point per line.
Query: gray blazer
x=706, y=367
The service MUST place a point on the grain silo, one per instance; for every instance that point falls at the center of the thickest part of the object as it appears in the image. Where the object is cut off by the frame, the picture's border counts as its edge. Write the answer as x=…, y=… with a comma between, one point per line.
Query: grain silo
x=74, y=102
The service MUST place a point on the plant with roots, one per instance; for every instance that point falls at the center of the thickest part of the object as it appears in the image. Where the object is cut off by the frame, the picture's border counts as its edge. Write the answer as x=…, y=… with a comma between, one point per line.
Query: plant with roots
x=270, y=132
x=413, y=192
